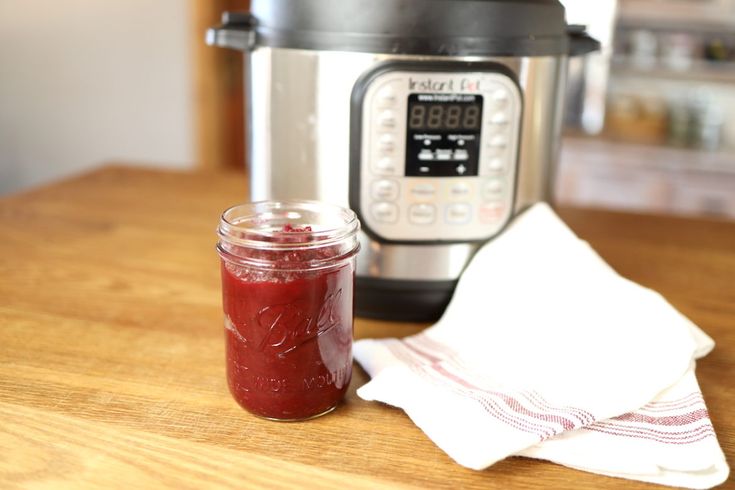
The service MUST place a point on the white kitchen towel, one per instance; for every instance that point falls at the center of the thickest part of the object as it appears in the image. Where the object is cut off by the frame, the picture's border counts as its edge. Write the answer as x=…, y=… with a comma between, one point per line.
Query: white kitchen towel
x=541, y=352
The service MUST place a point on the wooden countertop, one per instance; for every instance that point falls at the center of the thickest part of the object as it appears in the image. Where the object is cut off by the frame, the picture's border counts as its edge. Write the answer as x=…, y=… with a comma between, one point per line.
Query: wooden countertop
x=111, y=348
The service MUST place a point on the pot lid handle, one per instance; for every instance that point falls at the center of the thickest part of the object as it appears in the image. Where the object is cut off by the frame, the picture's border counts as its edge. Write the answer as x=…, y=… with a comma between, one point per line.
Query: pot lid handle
x=236, y=32
x=581, y=43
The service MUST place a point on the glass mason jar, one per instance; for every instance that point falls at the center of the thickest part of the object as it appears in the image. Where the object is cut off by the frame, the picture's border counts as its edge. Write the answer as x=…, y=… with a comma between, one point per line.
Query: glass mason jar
x=288, y=273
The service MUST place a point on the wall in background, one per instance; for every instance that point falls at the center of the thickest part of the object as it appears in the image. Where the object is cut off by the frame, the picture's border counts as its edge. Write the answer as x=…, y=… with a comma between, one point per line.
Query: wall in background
x=83, y=82
x=219, y=86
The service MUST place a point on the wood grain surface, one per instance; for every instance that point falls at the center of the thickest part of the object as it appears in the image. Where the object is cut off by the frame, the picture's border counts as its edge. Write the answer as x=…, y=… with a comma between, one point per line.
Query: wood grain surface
x=112, y=363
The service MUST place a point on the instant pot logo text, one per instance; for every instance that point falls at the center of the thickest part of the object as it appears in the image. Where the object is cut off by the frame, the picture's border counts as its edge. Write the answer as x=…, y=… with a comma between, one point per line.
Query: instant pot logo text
x=452, y=85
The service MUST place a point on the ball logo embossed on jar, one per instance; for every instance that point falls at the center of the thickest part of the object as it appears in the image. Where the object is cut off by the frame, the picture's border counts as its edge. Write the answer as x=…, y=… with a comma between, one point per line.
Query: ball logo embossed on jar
x=288, y=326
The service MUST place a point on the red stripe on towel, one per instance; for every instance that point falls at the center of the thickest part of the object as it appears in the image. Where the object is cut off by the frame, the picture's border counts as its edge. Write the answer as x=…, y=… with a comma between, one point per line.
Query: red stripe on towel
x=497, y=411
x=669, y=420
x=408, y=353
x=689, y=438
x=668, y=406
x=512, y=403
x=435, y=351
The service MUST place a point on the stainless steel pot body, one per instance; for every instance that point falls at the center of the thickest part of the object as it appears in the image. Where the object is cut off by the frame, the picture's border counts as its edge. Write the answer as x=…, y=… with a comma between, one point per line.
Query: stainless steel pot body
x=299, y=138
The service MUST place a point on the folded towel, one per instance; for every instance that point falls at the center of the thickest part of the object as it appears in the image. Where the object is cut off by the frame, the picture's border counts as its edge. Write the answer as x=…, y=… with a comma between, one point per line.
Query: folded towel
x=545, y=351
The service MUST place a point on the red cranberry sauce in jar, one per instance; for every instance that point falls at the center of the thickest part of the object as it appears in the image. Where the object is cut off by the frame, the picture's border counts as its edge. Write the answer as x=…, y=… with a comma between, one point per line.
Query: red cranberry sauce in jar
x=287, y=297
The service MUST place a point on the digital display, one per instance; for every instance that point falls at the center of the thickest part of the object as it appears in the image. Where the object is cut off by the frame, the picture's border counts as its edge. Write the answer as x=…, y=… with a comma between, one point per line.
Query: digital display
x=444, y=116
x=443, y=135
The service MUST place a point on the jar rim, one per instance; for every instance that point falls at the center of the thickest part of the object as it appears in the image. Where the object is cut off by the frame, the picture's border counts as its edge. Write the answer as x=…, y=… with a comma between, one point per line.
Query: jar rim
x=246, y=224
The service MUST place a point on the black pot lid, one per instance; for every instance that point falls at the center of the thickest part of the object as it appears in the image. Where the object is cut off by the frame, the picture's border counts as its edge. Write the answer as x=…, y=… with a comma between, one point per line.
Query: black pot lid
x=428, y=27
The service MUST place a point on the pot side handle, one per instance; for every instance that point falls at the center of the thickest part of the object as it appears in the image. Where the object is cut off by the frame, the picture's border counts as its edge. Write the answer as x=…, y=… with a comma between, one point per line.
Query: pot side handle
x=236, y=32
x=581, y=43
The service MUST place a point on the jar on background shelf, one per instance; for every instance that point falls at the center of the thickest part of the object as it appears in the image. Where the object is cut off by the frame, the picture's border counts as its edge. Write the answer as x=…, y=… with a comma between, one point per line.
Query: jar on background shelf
x=696, y=121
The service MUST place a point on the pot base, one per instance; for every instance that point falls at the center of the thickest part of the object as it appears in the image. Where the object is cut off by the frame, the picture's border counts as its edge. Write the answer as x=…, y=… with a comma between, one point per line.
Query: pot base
x=402, y=301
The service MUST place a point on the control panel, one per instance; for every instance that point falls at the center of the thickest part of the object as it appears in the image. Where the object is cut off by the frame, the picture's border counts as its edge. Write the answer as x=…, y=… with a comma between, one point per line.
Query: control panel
x=438, y=154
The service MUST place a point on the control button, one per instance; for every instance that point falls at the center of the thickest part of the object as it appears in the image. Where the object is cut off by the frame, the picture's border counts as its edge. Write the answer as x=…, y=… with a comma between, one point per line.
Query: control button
x=458, y=214
x=500, y=97
x=384, y=190
x=492, y=189
x=387, y=142
x=499, y=119
x=460, y=190
x=422, y=214
x=461, y=169
x=388, y=119
x=443, y=154
x=496, y=164
x=385, y=166
x=498, y=141
x=386, y=97
x=384, y=212
x=493, y=152
x=426, y=154
x=491, y=212
x=423, y=191
x=461, y=155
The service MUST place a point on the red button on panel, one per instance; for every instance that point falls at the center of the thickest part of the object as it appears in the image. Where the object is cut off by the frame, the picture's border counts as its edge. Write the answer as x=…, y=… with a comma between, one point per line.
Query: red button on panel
x=491, y=212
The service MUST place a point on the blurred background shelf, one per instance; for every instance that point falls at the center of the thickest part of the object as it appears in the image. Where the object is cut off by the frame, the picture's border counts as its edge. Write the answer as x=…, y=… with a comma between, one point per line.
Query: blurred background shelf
x=667, y=141
x=608, y=151
x=697, y=71
x=685, y=15
x=599, y=172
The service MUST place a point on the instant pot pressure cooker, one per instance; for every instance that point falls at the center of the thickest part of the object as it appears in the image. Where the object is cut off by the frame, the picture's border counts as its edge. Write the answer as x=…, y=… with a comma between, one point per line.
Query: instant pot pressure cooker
x=434, y=120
